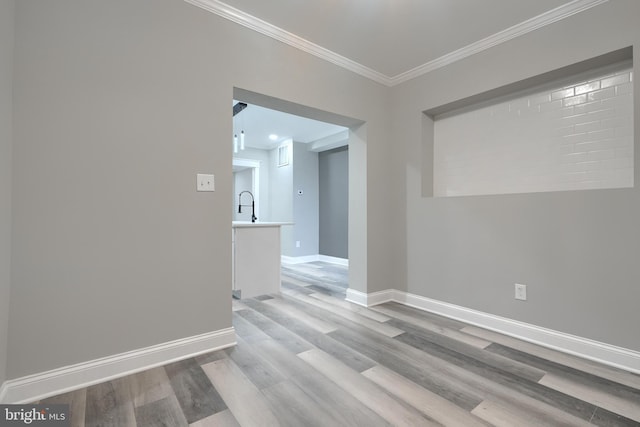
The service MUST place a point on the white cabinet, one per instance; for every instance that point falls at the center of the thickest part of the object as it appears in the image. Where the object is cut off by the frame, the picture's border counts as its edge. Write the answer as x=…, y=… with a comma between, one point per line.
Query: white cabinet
x=256, y=258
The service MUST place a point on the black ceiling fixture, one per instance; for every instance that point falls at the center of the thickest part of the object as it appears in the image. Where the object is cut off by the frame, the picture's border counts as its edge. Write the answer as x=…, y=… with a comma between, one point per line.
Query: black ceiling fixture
x=239, y=107
x=236, y=109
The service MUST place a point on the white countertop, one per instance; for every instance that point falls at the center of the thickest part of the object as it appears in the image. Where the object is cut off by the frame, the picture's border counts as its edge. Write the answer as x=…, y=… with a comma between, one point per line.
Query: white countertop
x=237, y=224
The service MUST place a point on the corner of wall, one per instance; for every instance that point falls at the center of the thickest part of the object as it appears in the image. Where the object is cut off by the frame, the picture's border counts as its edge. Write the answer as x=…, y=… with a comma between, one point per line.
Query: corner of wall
x=7, y=17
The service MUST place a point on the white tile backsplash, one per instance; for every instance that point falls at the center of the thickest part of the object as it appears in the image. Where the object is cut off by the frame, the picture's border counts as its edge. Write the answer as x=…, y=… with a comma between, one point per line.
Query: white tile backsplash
x=572, y=137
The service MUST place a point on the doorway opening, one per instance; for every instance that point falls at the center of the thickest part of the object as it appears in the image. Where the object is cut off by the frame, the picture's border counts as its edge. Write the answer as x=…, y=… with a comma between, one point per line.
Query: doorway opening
x=301, y=191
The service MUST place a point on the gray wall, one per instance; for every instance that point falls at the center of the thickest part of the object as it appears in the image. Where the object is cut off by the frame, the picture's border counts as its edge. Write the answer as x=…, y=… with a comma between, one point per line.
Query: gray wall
x=334, y=202
x=6, y=76
x=117, y=106
x=577, y=251
x=281, y=195
x=305, y=206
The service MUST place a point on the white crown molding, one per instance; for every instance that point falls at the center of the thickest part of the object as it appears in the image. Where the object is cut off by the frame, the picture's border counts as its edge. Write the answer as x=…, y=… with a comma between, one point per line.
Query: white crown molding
x=41, y=385
x=542, y=20
x=228, y=12
x=277, y=33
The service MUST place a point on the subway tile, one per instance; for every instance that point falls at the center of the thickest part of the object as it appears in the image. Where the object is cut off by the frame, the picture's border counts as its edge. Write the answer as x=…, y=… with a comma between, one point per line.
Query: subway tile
x=581, y=166
x=563, y=93
x=565, y=149
x=574, y=138
x=600, y=155
x=518, y=104
x=623, y=131
x=615, y=80
x=622, y=163
x=600, y=134
x=569, y=138
x=572, y=120
x=617, y=122
x=623, y=142
x=574, y=158
x=588, y=87
x=624, y=88
x=588, y=107
x=626, y=152
x=574, y=100
x=576, y=176
x=586, y=146
x=625, y=177
x=600, y=114
x=540, y=99
x=602, y=94
x=623, y=100
x=564, y=131
x=550, y=106
x=589, y=126
x=599, y=175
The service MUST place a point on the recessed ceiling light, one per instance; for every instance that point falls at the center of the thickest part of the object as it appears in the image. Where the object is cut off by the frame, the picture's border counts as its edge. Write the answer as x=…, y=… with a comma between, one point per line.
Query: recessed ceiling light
x=273, y=137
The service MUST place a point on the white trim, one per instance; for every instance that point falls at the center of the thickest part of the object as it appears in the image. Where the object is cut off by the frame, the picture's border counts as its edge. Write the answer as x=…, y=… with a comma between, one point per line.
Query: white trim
x=313, y=258
x=334, y=260
x=263, y=27
x=330, y=142
x=62, y=380
x=586, y=348
x=368, y=300
x=357, y=297
x=228, y=12
x=299, y=259
x=544, y=19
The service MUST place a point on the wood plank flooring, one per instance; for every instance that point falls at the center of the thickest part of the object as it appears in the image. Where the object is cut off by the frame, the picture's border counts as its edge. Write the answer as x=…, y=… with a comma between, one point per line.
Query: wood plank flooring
x=305, y=357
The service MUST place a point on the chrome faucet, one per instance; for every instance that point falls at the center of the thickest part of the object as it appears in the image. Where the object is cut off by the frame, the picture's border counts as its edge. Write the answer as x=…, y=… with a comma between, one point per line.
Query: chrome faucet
x=253, y=205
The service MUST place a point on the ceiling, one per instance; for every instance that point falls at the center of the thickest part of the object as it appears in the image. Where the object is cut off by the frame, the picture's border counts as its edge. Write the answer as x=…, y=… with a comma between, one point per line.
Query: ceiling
x=365, y=35
x=391, y=41
x=258, y=123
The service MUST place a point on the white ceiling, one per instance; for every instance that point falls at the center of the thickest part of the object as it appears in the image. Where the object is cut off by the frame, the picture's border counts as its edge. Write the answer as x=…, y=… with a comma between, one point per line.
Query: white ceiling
x=258, y=123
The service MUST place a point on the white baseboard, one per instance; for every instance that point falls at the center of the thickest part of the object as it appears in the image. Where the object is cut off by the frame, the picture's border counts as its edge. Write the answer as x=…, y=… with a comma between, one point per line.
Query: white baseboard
x=607, y=354
x=313, y=258
x=61, y=380
x=368, y=300
x=334, y=260
x=299, y=259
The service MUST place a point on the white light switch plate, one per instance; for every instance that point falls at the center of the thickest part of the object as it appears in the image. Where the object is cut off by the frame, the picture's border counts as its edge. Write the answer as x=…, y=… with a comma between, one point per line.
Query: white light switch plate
x=205, y=182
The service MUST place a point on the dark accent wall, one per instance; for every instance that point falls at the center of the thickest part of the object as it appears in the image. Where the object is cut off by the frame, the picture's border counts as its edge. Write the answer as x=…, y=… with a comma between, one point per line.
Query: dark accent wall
x=334, y=202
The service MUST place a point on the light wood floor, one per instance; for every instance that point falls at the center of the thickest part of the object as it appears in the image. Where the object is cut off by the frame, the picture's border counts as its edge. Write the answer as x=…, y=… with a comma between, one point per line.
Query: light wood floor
x=305, y=357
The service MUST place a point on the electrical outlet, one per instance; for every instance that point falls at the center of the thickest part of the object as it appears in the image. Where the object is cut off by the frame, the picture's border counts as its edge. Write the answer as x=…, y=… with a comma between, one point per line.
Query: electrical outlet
x=521, y=292
x=297, y=243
